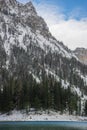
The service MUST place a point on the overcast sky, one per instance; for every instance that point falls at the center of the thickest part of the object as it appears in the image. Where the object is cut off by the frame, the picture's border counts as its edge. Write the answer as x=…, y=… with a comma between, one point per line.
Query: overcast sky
x=66, y=19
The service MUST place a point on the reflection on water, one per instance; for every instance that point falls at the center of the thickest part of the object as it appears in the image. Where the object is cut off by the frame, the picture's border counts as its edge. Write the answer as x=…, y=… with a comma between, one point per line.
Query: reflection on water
x=37, y=128
x=43, y=125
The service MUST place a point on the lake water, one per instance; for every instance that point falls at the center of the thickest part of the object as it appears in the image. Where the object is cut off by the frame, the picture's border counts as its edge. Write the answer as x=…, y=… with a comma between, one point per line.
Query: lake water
x=48, y=125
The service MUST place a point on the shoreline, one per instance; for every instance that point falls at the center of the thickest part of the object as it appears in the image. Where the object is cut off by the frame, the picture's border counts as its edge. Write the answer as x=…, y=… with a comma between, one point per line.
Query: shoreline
x=40, y=116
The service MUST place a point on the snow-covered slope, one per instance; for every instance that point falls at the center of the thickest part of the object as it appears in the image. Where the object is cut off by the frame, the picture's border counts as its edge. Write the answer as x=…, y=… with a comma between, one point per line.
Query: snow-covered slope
x=40, y=116
x=20, y=23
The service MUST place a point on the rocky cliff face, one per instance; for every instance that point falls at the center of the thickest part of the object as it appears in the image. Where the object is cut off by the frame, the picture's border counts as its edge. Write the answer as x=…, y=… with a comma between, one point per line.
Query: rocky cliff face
x=27, y=47
x=81, y=53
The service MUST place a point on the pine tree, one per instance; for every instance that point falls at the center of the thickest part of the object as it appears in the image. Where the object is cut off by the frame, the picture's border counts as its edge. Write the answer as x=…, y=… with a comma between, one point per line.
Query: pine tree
x=85, y=109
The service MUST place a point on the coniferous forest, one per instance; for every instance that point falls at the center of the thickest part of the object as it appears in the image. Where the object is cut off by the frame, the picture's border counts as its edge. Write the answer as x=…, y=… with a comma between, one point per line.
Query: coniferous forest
x=26, y=93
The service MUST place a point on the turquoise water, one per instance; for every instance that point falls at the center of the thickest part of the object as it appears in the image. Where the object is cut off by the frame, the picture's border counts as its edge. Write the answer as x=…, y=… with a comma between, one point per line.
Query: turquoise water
x=48, y=125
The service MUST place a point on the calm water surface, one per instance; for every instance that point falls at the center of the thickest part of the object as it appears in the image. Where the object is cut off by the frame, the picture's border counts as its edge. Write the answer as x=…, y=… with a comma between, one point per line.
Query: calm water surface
x=48, y=125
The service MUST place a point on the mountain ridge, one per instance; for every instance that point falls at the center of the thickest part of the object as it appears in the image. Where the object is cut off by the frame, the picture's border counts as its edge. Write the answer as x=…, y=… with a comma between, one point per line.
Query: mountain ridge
x=81, y=53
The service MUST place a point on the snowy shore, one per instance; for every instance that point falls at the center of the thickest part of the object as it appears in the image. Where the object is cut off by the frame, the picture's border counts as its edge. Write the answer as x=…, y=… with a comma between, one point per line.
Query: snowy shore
x=40, y=116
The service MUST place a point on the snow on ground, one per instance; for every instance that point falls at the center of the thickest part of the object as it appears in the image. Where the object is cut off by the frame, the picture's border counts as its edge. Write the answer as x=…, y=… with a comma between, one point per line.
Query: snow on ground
x=40, y=116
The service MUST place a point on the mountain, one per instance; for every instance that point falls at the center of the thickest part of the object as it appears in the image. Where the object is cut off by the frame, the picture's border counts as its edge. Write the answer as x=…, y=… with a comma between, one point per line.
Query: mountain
x=81, y=53
x=36, y=70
